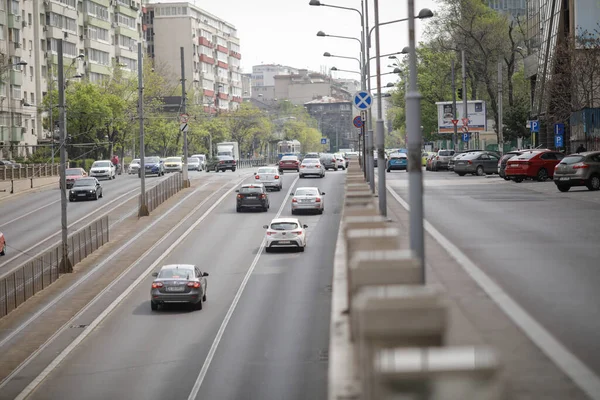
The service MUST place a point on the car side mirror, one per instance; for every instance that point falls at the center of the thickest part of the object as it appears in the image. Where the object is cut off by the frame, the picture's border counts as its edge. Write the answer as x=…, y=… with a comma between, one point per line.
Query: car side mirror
x=305, y=226
x=237, y=190
x=266, y=226
x=205, y=274
x=291, y=194
x=155, y=274
x=97, y=184
x=255, y=174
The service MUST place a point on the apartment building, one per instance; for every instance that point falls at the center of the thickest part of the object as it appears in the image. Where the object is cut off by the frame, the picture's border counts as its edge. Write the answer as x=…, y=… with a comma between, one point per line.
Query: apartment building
x=263, y=80
x=211, y=52
x=97, y=36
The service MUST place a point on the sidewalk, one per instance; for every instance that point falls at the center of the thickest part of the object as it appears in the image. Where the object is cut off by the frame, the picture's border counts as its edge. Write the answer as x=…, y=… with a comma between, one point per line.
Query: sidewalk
x=476, y=319
x=21, y=186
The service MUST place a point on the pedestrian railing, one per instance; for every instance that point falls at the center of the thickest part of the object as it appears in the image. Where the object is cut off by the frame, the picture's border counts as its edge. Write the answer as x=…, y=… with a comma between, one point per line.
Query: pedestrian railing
x=20, y=284
x=163, y=191
x=251, y=162
x=28, y=171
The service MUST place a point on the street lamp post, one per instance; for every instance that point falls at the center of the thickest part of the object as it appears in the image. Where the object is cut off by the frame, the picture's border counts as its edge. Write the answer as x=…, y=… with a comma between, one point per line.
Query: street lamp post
x=186, y=181
x=143, y=210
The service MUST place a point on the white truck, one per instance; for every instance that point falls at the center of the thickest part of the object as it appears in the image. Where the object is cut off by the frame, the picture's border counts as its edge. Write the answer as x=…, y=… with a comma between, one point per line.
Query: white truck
x=231, y=149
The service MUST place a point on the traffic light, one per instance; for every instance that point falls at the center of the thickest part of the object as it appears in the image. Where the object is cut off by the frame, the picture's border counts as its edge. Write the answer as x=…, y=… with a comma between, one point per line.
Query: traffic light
x=460, y=94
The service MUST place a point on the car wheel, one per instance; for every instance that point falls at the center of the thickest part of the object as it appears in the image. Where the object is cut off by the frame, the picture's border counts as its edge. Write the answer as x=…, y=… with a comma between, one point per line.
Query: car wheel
x=298, y=170
x=3, y=252
x=388, y=170
x=320, y=211
x=71, y=200
x=301, y=176
x=96, y=196
x=204, y=297
x=542, y=175
x=480, y=171
x=238, y=209
x=301, y=249
x=293, y=212
x=518, y=180
x=233, y=170
x=461, y=173
x=594, y=183
x=153, y=306
x=198, y=305
x=506, y=178
x=563, y=188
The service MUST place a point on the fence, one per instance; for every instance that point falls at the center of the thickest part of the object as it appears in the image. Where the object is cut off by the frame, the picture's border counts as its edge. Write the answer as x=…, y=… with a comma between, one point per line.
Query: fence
x=40, y=272
x=8, y=173
x=251, y=162
x=165, y=189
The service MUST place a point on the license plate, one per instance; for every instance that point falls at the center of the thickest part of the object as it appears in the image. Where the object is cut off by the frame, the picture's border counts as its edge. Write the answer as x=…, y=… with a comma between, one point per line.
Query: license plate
x=564, y=179
x=175, y=289
x=306, y=201
x=251, y=198
x=284, y=242
x=81, y=194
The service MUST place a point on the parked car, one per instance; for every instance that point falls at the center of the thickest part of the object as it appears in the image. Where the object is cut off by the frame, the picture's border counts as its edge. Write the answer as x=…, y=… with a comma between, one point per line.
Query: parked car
x=340, y=161
x=270, y=177
x=397, y=161
x=178, y=283
x=71, y=175
x=252, y=196
x=134, y=166
x=221, y=163
x=309, y=199
x=441, y=160
x=2, y=244
x=533, y=164
x=202, y=158
x=103, y=169
x=581, y=169
x=85, y=189
x=289, y=163
x=428, y=164
x=285, y=233
x=152, y=166
x=504, y=159
x=328, y=161
x=7, y=164
x=456, y=156
x=424, y=156
x=312, y=166
x=477, y=163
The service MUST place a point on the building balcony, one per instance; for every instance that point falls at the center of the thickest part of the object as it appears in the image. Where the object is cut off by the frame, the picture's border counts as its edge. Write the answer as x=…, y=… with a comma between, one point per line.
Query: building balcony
x=235, y=54
x=127, y=31
x=209, y=93
x=14, y=21
x=16, y=77
x=126, y=10
x=223, y=96
x=16, y=134
x=206, y=59
x=61, y=9
x=14, y=49
x=91, y=20
x=237, y=99
x=205, y=42
x=223, y=64
x=222, y=49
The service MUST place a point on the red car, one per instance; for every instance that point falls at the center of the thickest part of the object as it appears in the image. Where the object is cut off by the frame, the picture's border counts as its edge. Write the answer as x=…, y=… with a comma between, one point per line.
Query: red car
x=2, y=244
x=533, y=164
x=72, y=174
x=289, y=162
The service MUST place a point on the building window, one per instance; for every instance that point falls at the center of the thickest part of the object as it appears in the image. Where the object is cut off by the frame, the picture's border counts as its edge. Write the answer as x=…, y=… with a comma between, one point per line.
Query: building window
x=95, y=77
x=128, y=63
x=222, y=57
x=96, y=10
x=222, y=72
x=124, y=20
x=14, y=7
x=234, y=47
x=207, y=68
x=97, y=34
x=99, y=57
x=16, y=92
x=235, y=76
x=32, y=97
x=234, y=62
x=127, y=42
x=124, y=2
x=208, y=84
x=62, y=22
x=207, y=51
x=206, y=34
x=69, y=49
x=221, y=41
x=1, y=32
x=70, y=3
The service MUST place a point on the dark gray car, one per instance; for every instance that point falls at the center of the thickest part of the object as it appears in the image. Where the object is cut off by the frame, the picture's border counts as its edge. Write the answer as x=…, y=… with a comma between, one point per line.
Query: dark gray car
x=178, y=283
x=87, y=188
x=582, y=169
x=328, y=161
x=477, y=163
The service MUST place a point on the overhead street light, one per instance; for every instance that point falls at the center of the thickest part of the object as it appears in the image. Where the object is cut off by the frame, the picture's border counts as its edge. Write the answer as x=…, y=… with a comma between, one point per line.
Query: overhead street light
x=423, y=14
x=344, y=70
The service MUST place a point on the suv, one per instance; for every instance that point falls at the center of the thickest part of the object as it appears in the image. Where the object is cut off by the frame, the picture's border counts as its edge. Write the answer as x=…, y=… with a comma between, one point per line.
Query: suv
x=533, y=164
x=582, y=169
x=252, y=195
x=329, y=161
x=441, y=159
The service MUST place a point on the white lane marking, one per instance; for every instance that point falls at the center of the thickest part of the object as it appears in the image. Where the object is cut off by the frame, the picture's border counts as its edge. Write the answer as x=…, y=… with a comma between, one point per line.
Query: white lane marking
x=234, y=303
x=34, y=383
x=29, y=213
x=573, y=367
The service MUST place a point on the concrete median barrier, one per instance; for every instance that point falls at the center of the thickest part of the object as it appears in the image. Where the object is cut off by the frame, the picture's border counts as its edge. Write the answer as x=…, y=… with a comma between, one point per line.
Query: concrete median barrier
x=382, y=238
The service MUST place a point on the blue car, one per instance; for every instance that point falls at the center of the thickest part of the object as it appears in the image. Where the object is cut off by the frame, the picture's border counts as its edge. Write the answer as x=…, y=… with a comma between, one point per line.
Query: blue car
x=152, y=166
x=397, y=161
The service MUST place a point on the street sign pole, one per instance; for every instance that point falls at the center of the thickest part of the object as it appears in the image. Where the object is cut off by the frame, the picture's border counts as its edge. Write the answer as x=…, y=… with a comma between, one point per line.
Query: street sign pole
x=143, y=210
x=186, y=181
x=362, y=101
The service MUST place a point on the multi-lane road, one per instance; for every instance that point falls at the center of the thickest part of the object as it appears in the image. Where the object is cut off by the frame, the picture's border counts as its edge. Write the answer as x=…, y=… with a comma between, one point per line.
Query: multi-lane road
x=262, y=334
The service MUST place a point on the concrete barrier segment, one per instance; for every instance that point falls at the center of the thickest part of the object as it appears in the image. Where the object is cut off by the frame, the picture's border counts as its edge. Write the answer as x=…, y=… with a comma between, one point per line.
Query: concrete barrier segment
x=445, y=373
x=383, y=238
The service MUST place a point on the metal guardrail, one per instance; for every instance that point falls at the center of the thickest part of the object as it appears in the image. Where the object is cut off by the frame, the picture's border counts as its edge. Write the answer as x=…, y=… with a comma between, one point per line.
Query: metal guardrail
x=251, y=162
x=161, y=192
x=40, y=272
x=28, y=171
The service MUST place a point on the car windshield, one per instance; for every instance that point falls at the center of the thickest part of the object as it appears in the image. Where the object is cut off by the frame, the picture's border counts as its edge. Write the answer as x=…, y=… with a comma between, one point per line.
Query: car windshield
x=72, y=172
x=284, y=226
x=311, y=155
x=136, y=161
x=528, y=156
x=101, y=164
x=471, y=156
x=574, y=159
x=310, y=161
x=85, y=182
x=398, y=155
x=248, y=190
x=193, y=160
x=151, y=160
x=445, y=153
x=507, y=157
x=306, y=192
x=224, y=158
x=289, y=158
x=173, y=159
x=176, y=273
x=267, y=171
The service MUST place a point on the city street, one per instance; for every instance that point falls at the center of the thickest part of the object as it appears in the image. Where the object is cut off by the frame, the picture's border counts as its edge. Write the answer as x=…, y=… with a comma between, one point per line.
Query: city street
x=263, y=332
x=539, y=245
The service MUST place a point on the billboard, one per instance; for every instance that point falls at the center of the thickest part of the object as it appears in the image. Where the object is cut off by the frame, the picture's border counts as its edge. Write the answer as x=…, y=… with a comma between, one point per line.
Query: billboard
x=476, y=113
x=587, y=15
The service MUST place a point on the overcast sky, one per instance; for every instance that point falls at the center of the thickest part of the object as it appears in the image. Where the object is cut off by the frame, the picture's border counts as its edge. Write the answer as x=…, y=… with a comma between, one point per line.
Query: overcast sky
x=284, y=31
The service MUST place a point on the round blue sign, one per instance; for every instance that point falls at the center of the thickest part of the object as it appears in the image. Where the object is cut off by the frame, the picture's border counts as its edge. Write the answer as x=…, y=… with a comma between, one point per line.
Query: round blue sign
x=358, y=122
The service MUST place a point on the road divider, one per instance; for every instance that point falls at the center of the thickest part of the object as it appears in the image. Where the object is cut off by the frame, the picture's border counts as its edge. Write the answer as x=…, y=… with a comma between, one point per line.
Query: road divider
x=388, y=330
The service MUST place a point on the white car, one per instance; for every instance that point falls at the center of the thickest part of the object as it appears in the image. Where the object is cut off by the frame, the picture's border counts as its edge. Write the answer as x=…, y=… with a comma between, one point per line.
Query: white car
x=134, y=166
x=173, y=164
x=308, y=198
x=340, y=161
x=103, y=169
x=312, y=166
x=285, y=233
x=193, y=164
x=202, y=158
x=270, y=177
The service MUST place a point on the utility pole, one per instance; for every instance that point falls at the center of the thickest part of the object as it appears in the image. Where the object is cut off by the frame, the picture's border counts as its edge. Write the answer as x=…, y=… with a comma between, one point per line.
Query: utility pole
x=50, y=79
x=370, y=164
x=65, y=264
x=455, y=134
x=143, y=211
x=464, y=86
x=186, y=181
x=500, y=133
x=381, y=189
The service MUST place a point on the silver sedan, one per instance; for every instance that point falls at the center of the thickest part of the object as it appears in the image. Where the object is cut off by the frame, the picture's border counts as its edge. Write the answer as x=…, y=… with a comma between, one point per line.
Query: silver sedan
x=178, y=283
x=309, y=199
x=312, y=166
x=270, y=177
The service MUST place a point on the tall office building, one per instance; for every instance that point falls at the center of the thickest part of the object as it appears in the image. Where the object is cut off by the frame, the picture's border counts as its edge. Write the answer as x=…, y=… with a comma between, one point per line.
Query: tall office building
x=514, y=8
x=211, y=51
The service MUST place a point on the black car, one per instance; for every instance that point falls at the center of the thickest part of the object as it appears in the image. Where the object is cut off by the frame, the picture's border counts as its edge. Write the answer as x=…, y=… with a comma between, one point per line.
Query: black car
x=85, y=189
x=220, y=163
x=252, y=196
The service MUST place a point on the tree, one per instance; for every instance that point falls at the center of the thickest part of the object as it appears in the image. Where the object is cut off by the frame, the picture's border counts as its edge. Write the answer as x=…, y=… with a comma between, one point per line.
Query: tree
x=248, y=126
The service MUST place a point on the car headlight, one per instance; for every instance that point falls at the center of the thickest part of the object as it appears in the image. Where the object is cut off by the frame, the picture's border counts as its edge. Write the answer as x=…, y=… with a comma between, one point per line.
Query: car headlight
x=71, y=192
x=91, y=191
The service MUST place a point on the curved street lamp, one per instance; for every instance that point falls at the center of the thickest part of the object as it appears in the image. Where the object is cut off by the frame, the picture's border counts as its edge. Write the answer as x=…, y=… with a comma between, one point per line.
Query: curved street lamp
x=423, y=14
x=344, y=70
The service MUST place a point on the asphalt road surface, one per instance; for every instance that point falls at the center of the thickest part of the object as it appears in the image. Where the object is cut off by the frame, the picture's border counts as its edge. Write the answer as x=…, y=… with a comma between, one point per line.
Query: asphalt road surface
x=274, y=345
x=541, y=246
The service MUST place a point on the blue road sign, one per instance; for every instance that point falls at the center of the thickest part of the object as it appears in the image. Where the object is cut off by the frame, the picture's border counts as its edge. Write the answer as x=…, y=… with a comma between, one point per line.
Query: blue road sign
x=465, y=137
x=535, y=126
x=558, y=141
x=559, y=129
x=362, y=100
x=324, y=140
x=357, y=121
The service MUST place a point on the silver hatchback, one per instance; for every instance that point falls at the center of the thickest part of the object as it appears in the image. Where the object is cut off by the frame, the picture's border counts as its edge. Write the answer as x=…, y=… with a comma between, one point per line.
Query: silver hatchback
x=270, y=177
x=178, y=283
x=582, y=169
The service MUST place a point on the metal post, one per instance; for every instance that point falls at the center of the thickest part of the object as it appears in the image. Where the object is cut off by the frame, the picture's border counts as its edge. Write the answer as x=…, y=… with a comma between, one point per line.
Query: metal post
x=186, y=181
x=65, y=264
x=455, y=134
x=464, y=86
x=379, y=124
x=363, y=82
x=370, y=164
x=51, y=112
x=143, y=211
x=500, y=133
x=413, y=128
